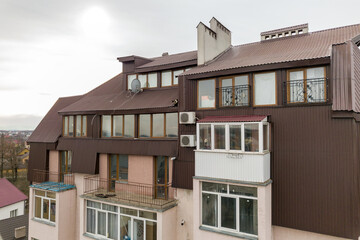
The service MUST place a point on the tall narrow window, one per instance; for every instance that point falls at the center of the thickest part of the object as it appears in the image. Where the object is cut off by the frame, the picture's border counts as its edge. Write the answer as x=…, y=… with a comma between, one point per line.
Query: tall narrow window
x=158, y=125
x=65, y=164
x=129, y=126
x=219, y=136
x=78, y=125
x=144, y=125
x=66, y=126
x=251, y=137
x=234, y=91
x=166, y=78
x=235, y=137
x=118, y=169
x=117, y=129
x=152, y=80
x=71, y=126
x=205, y=136
x=171, y=124
x=106, y=126
x=206, y=93
x=265, y=89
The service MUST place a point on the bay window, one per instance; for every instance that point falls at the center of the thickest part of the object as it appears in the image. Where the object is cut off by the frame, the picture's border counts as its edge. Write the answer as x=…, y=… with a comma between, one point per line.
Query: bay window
x=45, y=205
x=265, y=89
x=206, y=94
x=230, y=208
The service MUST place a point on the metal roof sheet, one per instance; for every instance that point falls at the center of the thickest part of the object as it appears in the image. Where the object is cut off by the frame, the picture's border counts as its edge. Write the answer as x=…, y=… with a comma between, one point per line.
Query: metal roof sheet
x=170, y=59
x=240, y=118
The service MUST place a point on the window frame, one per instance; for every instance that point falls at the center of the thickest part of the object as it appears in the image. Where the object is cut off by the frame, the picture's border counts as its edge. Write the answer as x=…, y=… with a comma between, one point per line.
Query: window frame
x=67, y=153
x=67, y=119
x=227, y=137
x=233, y=90
x=13, y=213
x=117, y=169
x=147, y=79
x=172, y=84
x=276, y=89
x=112, y=126
x=50, y=199
x=218, y=208
x=197, y=94
x=151, y=125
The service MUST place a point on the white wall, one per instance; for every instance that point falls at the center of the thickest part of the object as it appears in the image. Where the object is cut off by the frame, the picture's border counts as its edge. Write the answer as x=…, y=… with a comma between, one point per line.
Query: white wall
x=5, y=211
x=184, y=212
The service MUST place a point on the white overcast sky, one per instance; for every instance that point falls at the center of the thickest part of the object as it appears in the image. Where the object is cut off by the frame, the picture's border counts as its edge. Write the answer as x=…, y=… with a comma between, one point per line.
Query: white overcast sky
x=56, y=48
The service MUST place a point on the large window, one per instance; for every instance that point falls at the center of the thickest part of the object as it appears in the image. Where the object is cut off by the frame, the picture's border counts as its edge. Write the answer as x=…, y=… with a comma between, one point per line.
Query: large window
x=230, y=208
x=117, y=126
x=265, y=89
x=45, y=205
x=118, y=169
x=115, y=222
x=158, y=125
x=75, y=126
x=170, y=77
x=306, y=85
x=206, y=93
x=65, y=164
x=234, y=91
x=234, y=136
x=147, y=80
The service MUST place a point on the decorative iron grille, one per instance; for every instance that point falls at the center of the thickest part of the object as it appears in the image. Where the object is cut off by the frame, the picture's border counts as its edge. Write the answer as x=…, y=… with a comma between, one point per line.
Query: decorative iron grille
x=234, y=96
x=313, y=90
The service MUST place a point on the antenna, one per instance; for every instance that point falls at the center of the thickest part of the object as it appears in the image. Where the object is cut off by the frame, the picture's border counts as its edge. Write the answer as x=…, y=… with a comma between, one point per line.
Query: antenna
x=135, y=85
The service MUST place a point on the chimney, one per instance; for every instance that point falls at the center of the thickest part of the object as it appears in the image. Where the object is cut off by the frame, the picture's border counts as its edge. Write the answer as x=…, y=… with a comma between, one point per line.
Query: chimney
x=212, y=40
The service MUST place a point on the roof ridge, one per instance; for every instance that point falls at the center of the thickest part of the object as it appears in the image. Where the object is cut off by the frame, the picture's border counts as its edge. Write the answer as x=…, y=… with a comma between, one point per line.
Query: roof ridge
x=173, y=54
x=331, y=29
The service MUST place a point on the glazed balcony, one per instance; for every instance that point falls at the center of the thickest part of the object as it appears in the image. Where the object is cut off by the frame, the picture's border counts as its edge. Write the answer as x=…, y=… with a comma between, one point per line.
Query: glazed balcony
x=128, y=193
x=52, y=181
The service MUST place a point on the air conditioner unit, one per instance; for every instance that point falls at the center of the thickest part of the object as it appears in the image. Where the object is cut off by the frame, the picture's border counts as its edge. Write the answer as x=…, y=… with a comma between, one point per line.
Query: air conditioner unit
x=187, y=118
x=188, y=140
x=20, y=232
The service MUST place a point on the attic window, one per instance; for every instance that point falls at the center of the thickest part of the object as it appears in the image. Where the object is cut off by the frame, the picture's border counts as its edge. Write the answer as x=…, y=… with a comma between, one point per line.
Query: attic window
x=280, y=35
x=300, y=32
x=293, y=33
x=267, y=37
x=286, y=34
x=273, y=36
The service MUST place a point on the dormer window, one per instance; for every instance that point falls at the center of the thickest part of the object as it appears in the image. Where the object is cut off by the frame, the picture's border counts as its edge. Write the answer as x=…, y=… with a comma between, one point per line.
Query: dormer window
x=170, y=77
x=147, y=80
x=75, y=126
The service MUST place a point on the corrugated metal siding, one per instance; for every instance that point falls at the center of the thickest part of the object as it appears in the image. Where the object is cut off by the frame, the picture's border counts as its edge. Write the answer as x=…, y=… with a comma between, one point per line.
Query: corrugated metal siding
x=38, y=158
x=183, y=173
x=356, y=77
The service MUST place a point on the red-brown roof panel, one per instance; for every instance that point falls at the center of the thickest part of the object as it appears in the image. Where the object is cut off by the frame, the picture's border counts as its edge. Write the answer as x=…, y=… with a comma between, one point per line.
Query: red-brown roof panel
x=240, y=118
x=170, y=59
x=9, y=194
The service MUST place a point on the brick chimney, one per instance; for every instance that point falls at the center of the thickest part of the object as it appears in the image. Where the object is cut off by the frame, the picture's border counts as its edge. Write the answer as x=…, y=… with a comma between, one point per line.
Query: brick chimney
x=212, y=40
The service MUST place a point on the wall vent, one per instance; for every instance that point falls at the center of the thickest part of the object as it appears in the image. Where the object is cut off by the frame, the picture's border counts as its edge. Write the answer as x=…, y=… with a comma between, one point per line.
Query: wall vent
x=285, y=32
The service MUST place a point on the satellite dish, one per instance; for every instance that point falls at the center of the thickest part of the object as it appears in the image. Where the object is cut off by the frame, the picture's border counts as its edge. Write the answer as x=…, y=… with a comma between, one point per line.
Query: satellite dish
x=135, y=86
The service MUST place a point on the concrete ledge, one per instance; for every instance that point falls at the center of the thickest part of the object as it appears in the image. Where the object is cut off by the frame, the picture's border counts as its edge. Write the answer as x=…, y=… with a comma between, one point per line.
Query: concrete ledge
x=238, y=235
x=232, y=181
x=44, y=222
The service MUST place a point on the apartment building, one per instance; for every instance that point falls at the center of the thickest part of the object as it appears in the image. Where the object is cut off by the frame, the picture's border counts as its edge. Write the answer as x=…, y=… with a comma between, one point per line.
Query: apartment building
x=255, y=141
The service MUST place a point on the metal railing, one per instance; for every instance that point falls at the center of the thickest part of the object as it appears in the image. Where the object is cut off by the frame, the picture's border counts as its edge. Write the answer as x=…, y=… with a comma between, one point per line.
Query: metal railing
x=238, y=95
x=53, y=180
x=314, y=90
x=134, y=193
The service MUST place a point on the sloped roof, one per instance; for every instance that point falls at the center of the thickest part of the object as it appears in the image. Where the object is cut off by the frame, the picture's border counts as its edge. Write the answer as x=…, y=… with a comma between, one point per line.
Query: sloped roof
x=8, y=226
x=9, y=194
x=238, y=118
x=111, y=96
x=170, y=59
x=312, y=45
x=49, y=129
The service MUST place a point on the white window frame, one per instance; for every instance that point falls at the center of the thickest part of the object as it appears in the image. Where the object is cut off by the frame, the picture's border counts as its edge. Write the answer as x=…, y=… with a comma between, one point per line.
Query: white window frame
x=227, y=137
x=42, y=205
x=132, y=217
x=13, y=213
x=228, y=195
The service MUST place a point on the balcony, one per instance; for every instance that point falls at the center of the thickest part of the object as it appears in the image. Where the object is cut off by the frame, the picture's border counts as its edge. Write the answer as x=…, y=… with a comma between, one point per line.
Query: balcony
x=52, y=181
x=234, y=96
x=134, y=194
x=313, y=90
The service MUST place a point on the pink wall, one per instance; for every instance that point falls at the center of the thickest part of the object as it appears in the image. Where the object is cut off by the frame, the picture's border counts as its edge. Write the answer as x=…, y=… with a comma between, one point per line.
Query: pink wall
x=141, y=169
x=104, y=166
x=166, y=222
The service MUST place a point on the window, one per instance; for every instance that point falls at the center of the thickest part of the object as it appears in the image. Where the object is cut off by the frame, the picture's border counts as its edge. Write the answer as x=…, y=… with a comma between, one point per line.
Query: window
x=75, y=126
x=65, y=164
x=147, y=80
x=306, y=85
x=45, y=205
x=234, y=136
x=206, y=93
x=229, y=207
x=13, y=213
x=264, y=89
x=158, y=125
x=115, y=222
x=234, y=91
x=170, y=77
x=117, y=126
x=118, y=169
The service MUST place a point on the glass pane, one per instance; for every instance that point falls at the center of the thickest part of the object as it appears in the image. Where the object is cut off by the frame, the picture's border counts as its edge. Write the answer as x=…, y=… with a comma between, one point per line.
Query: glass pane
x=151, y=230
x=113, y=166
x=296, y=86
x=108, y=207
x=117, y=126
x=52, y=210
x=71, y=126
x=149, y=215
x=235, y=137
x=226, y=92
x=51, y=195
x=123, y=167
x=158, y=125
x=171, y=125
x=251, y=137
x=315, y=84
x=78, y=125
x=142, y=79
x=266, y=137
x=106, y=126
x=241, y=190
x=144, y=128
x=214, y=187
x=160, y=169
x=39, y=193
x=125, y=227
x=69, y=155
x=209, y=209
x=90, y=220
x=130, y=78
x=84, y=126
x=248, y=216
x=152, y=80
x=228, y=212
x=265, y=89
x=37, y=207
x=241, y=80
x=128, y=211
x=66, y=125
x=165, y=78
x=176, y=74
x=93, y=204
x=138, y=229
x=312, y=73
x=205, y=136
x=101, y=223
x=129, y=126
x=206, y=93
x=112, y=226
x=46, y=206
x=219, y=138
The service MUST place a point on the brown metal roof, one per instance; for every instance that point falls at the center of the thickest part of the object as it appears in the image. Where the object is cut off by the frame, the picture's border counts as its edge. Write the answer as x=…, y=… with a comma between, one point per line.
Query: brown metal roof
x=49, y=129
x=284, y=29
x=111, y=96
x=300, y=47
x=239, y=118
x=170, y=59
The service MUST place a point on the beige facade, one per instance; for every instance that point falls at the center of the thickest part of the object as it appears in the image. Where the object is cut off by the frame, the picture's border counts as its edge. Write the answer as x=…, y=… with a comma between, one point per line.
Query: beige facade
x=281, y=233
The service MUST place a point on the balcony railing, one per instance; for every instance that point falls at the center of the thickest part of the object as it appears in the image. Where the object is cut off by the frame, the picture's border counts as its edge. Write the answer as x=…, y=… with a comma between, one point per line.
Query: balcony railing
x=313, y=90
x=53, y=181
x=129, y=193
x=238, y=95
